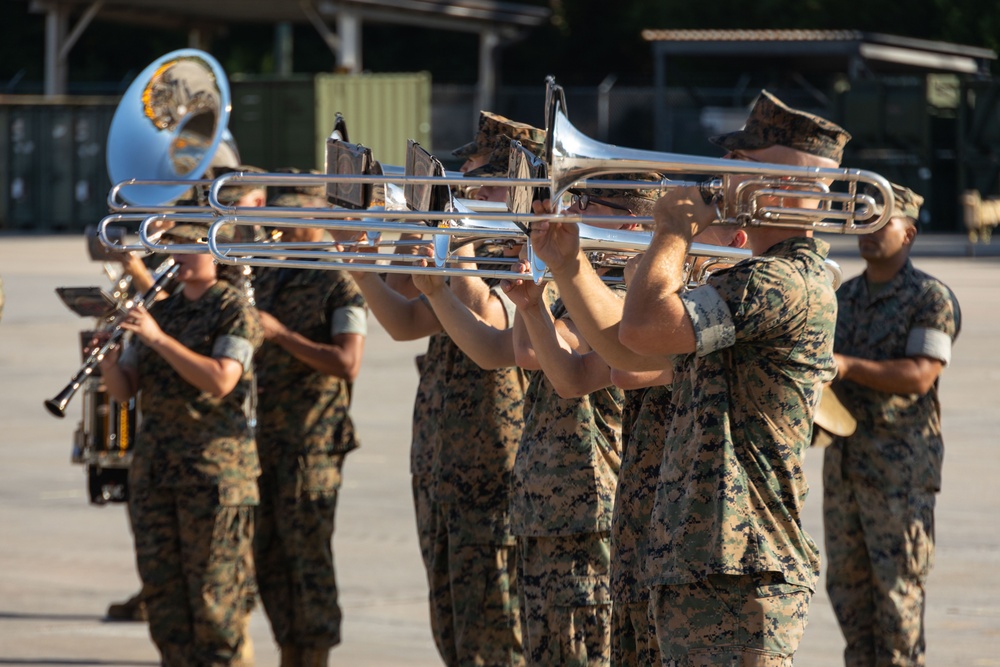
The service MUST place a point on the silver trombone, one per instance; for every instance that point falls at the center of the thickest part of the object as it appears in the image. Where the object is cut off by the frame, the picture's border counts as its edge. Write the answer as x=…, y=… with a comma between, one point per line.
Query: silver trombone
x=743, y=191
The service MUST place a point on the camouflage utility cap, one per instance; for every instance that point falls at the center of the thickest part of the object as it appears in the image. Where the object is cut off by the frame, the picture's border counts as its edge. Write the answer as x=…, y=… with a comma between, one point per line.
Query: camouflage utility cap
x=772, y=123
x=186, y=232
x=193, y=232
x=908, y=202
x=493, y=128
x=306, y=196
x=230, y=194
x=651, y=193
x=531, y=138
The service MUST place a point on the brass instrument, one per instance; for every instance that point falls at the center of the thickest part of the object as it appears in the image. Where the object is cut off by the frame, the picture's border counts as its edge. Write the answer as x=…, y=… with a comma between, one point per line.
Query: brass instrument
x=831, y=419
x=168, y=130
x=741, y=190
x=114, y=332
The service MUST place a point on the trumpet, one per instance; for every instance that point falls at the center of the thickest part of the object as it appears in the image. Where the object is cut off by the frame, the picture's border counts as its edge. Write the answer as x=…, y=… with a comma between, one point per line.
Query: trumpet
x=57, y=405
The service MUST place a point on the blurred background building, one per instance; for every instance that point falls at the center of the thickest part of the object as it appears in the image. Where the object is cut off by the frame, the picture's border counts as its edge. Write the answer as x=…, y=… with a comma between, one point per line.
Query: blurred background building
x=924, y=109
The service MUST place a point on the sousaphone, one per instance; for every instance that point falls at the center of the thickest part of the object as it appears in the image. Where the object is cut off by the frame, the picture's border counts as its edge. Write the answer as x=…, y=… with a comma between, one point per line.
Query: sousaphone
x=170, y=127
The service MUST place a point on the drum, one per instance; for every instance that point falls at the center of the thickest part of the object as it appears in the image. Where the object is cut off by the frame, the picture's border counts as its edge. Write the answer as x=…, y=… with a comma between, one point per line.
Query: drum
x=103, y=443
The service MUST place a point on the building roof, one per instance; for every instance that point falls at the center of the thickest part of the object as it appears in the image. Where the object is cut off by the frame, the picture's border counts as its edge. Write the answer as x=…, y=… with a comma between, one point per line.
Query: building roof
x=464, y=15
x=823, y=49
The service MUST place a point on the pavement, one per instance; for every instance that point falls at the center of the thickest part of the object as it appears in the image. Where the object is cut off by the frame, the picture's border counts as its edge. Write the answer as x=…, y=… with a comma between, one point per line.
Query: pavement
x=62, y=561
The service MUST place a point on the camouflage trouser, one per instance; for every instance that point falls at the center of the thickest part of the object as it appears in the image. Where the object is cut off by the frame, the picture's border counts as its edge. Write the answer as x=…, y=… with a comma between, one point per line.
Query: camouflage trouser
x=426, y=513
x=880, y=548
x=633, y=635
x=475, y=614
x=739, y=621
x=294, y=552
x=192, y=554
x=565, y=599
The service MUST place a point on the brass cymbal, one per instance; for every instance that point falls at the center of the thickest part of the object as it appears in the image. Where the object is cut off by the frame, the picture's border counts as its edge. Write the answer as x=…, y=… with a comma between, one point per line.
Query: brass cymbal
x=832, y=417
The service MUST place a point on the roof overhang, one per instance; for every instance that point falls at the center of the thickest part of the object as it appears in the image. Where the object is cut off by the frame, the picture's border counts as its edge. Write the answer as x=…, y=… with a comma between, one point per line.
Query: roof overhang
x=826, y=49
x=507, y=18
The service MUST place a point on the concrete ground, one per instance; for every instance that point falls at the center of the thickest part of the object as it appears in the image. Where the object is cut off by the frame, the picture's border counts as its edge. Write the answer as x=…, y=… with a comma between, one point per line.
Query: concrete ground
x=62, y=560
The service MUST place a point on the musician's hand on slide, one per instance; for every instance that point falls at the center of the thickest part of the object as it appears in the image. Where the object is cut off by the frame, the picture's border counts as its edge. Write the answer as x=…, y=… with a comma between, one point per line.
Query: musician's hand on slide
x=428, y=283
x=523, y=293
x=556, y=243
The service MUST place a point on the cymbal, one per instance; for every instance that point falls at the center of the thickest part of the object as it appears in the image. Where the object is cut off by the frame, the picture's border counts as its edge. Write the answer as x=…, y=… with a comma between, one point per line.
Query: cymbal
x=832, y=416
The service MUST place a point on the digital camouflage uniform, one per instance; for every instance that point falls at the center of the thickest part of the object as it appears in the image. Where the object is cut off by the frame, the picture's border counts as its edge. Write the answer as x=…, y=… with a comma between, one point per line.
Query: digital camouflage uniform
x=644, y=426
x=193, y=483
x=303, y=433
x=564, y=479
x=879, y=483
x=731, y=566
x=426, y=408
x=473, y=422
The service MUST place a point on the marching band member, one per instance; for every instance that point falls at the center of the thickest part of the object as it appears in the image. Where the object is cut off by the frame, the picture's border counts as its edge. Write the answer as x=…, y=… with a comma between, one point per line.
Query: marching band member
x=315, y=323
x=895, y=330
x=731, y=568
x=138, y=266
x=462, y=480
x=193, y=478
x=597, y=312
x=567, y=461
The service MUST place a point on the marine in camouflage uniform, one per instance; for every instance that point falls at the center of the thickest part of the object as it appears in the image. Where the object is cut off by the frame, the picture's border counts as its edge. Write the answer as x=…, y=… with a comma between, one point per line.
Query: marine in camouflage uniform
x=731, y=568
x=473, y=587
x=475, y=611
x=564, y=480
x=645, y=418
x=304, y=431
x=193, y=478
x=880, y=483
x=593, y=310
x=461, y=478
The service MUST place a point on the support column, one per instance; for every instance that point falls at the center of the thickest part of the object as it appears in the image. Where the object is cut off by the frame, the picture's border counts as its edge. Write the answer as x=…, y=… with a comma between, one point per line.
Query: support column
x=198, y=39
x=349, y=31
x=662, y=118
x=284, y=42
x=56, y=22
x=486, y=87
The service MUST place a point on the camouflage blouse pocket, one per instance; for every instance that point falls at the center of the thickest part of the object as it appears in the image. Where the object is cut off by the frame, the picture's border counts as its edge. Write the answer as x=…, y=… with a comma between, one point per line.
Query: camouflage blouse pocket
x=582, y=592
x=319, y=475
x=237, y=493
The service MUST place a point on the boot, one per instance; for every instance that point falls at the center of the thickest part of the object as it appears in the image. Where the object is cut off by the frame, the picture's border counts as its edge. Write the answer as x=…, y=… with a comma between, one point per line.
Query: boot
x=133, y=609
x=291, y=655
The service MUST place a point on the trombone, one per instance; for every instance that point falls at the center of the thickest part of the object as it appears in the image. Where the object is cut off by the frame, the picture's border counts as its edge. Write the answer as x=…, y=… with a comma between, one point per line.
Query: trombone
x=742, y=191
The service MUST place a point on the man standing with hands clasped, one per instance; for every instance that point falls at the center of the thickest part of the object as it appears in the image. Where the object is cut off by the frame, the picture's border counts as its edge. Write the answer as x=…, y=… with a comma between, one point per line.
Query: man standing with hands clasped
x=895, y=329
x=730, y=567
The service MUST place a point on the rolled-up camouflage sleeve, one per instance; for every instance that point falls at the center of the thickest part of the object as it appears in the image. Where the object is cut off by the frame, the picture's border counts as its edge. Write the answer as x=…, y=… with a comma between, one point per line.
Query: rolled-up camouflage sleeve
x=508, y=305
x=936, y=326
x=712, y=321
x=234, y=347
x=239, y=335
x=349, y=320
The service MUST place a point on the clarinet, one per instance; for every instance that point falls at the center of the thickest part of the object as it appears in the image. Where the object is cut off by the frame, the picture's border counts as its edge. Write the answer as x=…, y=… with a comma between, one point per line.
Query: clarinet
x=57, y=405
